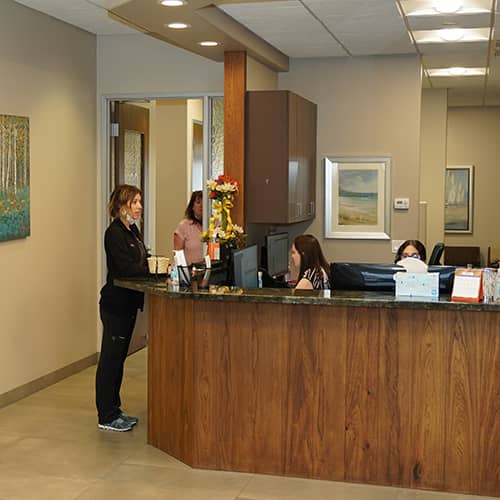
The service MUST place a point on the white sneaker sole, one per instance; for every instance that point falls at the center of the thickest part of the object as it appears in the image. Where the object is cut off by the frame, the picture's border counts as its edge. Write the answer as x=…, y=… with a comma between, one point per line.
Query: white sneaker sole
x=107, y=427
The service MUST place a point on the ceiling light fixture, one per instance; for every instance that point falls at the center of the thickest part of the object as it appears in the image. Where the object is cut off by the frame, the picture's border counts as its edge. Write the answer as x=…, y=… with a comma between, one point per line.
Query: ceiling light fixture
x=451, y=34
x=457, y=71
x=173, y=3
x=447, y=6
x=208, y=43
x=177, y=26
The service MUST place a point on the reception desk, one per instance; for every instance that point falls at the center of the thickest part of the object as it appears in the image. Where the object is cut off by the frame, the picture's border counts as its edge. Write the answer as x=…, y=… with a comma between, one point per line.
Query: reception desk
x=358, y=387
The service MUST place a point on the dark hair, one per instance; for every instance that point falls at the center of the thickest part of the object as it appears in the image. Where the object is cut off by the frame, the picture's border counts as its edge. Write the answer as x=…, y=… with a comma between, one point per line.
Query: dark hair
x=189, y=213
x=122, y=195
x=414, y=243
x=311, y=256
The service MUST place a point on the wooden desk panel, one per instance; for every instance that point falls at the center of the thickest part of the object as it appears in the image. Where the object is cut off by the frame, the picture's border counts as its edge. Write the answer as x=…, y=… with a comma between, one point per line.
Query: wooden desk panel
x=400, y=397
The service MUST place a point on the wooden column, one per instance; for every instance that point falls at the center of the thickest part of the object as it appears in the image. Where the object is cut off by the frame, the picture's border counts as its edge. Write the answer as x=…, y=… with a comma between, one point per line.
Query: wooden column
x=235, y=80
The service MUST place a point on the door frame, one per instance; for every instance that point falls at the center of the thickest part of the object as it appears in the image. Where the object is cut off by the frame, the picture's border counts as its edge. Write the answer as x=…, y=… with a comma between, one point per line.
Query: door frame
x=104, y=166
x=103, y=161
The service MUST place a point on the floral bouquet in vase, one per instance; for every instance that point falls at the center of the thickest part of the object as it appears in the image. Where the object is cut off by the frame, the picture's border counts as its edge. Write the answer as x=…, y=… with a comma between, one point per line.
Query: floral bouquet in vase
x=221, y=228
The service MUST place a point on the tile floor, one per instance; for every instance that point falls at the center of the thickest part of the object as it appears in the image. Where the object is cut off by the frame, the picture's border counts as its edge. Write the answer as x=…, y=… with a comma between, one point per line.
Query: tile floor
x=51, y=449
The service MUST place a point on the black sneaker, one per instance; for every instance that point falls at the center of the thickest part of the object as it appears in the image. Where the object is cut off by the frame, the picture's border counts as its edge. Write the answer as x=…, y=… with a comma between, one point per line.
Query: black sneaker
x=118, y=425
x=132, y=420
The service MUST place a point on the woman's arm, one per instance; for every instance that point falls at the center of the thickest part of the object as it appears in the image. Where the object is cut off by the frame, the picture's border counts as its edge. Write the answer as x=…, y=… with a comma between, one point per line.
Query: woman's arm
x=304, y=284
x=178, y=242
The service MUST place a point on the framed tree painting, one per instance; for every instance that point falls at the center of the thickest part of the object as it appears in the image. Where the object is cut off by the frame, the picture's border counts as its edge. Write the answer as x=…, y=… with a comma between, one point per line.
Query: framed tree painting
x=357, y=197
x=458, y=199
x=14, y=177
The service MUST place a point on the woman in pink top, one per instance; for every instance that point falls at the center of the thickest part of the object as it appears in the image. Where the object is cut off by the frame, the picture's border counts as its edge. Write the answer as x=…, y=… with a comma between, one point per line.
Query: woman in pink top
x=187, y=234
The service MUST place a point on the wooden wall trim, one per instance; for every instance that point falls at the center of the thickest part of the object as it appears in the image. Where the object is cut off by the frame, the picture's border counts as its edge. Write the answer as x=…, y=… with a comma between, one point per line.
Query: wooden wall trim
x=235, y=78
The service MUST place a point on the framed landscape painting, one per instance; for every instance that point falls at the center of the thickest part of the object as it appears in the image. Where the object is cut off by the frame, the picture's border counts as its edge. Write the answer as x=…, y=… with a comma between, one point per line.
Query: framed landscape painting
x=357, y=197
x=14, y=177
x=458, y=199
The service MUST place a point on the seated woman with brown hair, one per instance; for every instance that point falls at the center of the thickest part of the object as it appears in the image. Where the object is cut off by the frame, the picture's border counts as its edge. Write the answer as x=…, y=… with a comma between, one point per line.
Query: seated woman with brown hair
x=309, y=259
x=411, y=248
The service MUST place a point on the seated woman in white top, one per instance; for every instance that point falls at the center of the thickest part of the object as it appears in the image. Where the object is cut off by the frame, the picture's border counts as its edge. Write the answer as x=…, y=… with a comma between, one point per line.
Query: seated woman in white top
x=187, y=234
x=309, y=259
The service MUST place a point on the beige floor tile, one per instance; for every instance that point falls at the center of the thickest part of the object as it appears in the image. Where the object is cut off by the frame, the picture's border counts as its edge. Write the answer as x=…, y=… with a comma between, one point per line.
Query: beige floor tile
x=226, y=483
x=115, y=490
x=148, y=455
x=50, y=457
x=280, y=488
x=24, y=485
x=408, y=494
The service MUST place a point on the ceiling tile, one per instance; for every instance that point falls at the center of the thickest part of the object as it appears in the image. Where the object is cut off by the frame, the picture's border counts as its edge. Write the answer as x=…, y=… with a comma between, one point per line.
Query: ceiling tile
x=89, y=16
x=288, y=26
x=365, y=27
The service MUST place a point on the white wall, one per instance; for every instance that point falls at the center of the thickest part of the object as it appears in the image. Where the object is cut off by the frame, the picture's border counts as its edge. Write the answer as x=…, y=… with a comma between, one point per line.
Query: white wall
x=48, y=298
x=367, y=106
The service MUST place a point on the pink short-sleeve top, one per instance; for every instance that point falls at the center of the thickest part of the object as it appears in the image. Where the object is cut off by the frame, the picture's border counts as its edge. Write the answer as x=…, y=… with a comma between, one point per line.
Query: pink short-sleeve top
x=190, y=232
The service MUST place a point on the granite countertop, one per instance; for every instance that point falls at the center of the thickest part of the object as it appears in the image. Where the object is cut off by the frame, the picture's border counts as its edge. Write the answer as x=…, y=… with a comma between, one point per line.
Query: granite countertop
x=290, y=296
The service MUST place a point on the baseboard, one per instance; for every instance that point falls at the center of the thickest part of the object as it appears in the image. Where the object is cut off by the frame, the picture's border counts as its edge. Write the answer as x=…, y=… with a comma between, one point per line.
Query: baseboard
x=49, y=379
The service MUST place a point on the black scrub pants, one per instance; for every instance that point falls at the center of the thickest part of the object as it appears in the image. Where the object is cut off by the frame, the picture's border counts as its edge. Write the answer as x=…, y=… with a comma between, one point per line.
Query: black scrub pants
x=116, y=335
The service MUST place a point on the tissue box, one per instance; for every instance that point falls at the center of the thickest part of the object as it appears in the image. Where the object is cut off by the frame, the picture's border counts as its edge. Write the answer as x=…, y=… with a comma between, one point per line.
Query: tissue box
x=417, y=284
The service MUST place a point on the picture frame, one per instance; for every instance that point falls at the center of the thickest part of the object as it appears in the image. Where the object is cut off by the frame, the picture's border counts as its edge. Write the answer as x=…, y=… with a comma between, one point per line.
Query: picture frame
x=14, y=177
x=358, y=197
x=458, y=199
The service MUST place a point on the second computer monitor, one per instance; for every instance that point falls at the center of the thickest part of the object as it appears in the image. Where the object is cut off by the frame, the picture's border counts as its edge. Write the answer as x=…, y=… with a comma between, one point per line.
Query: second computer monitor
x=245, y=267
x=277, y=254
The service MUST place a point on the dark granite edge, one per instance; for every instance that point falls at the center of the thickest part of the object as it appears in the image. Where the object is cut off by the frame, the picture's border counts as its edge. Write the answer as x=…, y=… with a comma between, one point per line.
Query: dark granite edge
x=313, y=297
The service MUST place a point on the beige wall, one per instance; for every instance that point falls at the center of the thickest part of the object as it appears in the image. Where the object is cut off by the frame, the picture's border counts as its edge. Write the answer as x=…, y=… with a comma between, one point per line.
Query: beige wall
x=432, y=163
x=49, y=293
x=260, y=77
x=368, y=106
x=171, y=173
x=473, y=140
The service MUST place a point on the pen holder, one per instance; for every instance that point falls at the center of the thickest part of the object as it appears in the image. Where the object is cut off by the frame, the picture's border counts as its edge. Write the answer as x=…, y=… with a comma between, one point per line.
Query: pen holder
x=184, y=276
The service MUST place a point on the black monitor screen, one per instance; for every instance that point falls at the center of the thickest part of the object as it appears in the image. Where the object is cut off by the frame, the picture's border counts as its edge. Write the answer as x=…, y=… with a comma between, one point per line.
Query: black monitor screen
x=380, y=277
x=277, y=254
x=245, y=267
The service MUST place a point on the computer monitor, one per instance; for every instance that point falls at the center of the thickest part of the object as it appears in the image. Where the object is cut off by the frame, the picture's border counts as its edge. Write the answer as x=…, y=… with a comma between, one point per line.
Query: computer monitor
x=245, y=267
x=380, y=277
x=277, y=254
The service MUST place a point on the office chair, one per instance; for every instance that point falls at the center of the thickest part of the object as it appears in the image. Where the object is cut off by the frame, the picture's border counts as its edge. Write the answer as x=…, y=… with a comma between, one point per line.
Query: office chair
x=437, y=251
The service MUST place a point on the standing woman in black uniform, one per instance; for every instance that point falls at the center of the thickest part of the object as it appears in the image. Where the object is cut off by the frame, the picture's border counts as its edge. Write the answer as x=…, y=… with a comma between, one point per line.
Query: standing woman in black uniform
x=126, y=256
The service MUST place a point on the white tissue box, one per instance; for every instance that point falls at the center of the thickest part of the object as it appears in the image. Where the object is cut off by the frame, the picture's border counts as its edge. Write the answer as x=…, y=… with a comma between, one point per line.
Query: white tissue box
x=417, y=284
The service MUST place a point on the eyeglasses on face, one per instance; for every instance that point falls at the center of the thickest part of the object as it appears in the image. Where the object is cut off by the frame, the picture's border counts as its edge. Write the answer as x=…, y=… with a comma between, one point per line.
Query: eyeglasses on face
x=413, y=255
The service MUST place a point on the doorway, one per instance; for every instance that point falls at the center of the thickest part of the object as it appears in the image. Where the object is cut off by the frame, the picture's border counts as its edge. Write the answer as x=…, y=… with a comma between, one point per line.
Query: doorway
x=168, y=146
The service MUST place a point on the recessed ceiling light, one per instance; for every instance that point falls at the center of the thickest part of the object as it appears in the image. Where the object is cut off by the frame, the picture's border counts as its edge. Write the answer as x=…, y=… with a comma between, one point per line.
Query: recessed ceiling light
x=178, y=26
x=173, y=3
x=451, y=34
x=447, y=6
x=208, y=43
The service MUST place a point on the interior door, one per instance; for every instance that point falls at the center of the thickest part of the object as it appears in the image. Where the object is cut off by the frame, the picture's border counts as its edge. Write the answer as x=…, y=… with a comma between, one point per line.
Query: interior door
x=129, y=162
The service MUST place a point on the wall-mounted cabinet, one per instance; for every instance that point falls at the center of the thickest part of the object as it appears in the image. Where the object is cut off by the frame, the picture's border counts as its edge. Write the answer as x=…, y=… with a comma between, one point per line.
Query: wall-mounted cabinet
x=280, y=169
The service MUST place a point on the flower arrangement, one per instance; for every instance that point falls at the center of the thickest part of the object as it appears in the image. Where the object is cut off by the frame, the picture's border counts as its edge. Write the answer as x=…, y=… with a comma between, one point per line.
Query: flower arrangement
x=221, y=228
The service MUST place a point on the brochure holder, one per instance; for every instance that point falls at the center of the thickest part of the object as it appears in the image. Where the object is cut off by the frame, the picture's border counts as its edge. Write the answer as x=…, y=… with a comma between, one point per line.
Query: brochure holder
x=468, y=285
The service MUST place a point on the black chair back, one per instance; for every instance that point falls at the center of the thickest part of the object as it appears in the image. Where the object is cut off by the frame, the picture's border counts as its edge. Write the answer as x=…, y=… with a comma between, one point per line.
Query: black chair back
x=437, y=252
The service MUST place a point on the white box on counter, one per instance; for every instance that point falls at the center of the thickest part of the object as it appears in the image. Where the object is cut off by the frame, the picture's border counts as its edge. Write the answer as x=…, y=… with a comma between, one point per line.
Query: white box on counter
x=417, y=284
